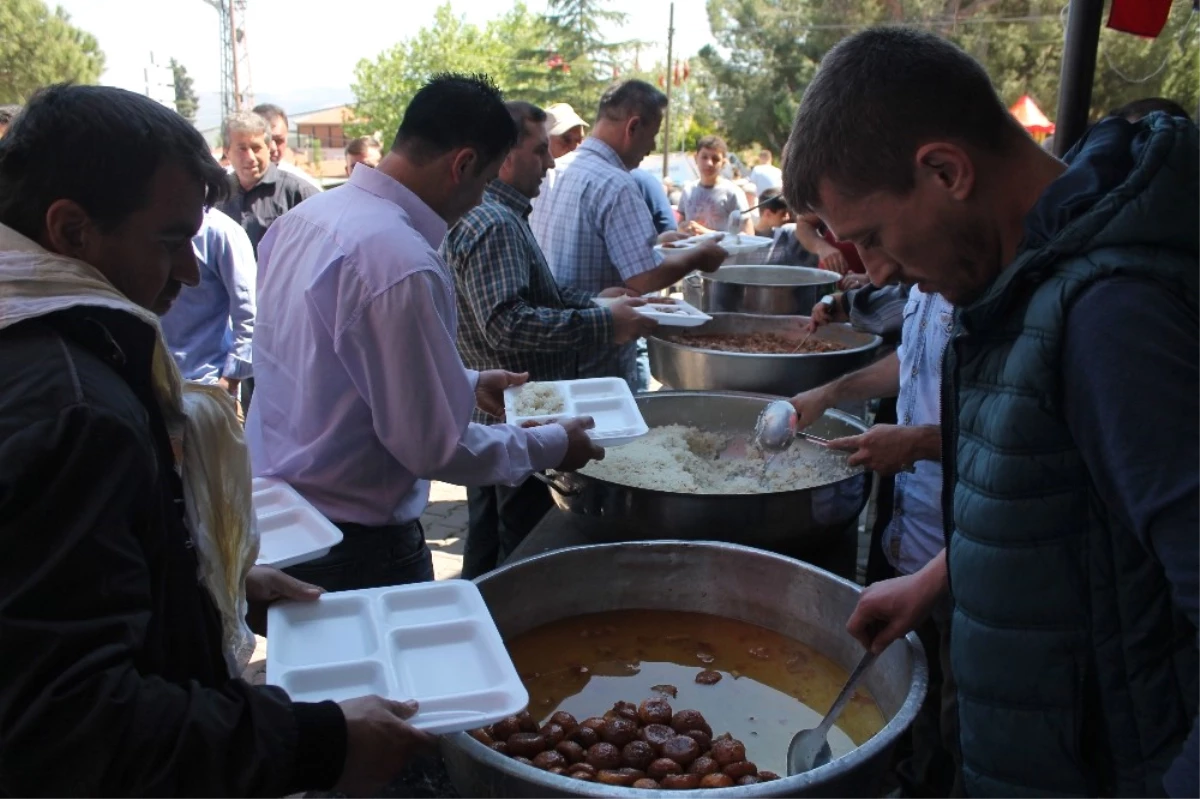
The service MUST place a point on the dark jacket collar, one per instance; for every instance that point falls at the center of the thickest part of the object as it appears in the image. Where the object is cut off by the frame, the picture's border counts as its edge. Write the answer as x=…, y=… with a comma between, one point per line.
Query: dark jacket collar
x=121, y=340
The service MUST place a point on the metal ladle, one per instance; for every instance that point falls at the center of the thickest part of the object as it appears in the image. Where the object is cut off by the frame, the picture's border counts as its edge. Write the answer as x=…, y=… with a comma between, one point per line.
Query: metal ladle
x=735, y=216
x=810, y=748
x=776, y=428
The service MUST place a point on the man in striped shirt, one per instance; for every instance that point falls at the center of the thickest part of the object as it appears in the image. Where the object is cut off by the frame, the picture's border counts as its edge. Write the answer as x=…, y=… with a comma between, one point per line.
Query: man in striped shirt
x=514, y=316
x=597, y=232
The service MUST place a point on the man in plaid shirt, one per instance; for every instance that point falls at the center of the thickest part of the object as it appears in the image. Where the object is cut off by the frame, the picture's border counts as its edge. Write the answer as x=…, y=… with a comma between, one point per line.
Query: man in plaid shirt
x=594, y=226
x=512, y=315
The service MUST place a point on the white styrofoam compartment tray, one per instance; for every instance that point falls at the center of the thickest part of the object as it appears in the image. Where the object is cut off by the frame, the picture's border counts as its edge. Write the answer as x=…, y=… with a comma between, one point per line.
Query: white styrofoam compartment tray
x=607, y=400
x=665, y=310
x=675, y=313
x=738, y=243
x=432, y=642
x=732, y=243
x=290, y=530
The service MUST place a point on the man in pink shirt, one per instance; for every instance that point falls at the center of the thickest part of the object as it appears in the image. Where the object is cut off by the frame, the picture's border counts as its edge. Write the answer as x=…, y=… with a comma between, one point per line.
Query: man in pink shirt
x=362, y=397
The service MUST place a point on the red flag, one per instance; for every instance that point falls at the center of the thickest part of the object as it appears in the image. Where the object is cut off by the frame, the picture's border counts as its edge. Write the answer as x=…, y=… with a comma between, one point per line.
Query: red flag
x=662, y=82
x=687, y=70
x=1139, y=17
x=677, y=73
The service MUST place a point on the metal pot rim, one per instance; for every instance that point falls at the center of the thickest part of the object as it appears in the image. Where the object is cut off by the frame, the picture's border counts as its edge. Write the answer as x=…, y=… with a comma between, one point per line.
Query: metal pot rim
x=840, y=416
x=830, y=276
x=875, y=341
x=875, y=745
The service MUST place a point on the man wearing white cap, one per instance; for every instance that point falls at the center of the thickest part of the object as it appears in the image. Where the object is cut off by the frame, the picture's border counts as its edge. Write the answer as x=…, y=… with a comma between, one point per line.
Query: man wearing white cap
x=566, y=131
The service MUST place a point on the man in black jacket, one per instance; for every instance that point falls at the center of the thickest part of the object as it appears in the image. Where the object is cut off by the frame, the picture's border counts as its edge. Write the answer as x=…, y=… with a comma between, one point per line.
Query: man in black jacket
x=113, y=678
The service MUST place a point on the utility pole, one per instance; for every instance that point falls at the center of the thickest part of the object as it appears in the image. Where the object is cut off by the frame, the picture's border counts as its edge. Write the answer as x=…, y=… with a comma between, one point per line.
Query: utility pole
x=235, y=56
x=667, y=113
x=1078, y=72
x=233, y=48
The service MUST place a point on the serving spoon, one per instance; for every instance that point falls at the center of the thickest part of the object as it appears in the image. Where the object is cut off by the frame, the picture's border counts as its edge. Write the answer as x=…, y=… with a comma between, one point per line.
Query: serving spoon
x=776, y=428
x=810, y=748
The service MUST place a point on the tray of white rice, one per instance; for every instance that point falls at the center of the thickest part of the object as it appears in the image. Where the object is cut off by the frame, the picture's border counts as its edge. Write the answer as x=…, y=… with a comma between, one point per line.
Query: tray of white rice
x=607, y=400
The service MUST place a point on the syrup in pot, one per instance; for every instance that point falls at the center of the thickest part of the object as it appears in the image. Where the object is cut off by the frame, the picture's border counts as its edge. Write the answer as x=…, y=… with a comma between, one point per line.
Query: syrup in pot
x=770, y=686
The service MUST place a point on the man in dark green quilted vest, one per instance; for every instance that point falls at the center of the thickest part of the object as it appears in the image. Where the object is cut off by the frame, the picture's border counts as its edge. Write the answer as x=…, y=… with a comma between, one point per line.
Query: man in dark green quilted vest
x=1070, y=403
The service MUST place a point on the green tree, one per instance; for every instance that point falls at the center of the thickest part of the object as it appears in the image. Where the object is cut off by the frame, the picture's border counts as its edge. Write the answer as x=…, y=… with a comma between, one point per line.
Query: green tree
x=1130, y=68
x=774, y=47
x=383, y=86
x=694, y=111
x=39, y=47
x=580, y=61
x=186, y=101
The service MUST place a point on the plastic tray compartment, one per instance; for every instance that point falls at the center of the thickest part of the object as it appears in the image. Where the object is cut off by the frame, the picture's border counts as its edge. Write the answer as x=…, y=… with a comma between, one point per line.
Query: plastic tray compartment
x=434, y=642
x=290, y=530
x=607, y=400
x=738, y=243
x=676, y=313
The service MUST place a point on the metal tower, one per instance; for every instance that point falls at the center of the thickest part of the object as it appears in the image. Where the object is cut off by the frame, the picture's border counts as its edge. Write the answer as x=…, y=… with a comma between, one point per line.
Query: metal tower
x=236, y=93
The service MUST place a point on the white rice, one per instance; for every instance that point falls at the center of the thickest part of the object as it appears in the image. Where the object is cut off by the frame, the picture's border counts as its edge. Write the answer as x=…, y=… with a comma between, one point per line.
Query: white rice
x=684, y=460
x=539, y=399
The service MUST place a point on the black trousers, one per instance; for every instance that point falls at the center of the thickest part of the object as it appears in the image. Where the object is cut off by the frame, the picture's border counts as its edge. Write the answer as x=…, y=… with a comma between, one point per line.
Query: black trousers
x=371, y=557
x=499, y=519
x=245, y=394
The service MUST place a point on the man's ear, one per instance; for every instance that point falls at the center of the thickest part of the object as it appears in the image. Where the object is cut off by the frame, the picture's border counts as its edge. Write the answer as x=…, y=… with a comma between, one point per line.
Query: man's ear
x=463, y=164
x=948, y=166
x=67, y=228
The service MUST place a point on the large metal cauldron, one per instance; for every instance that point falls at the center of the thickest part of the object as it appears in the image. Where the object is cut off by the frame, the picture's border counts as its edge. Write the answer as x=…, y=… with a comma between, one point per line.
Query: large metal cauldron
x=759, y=289
x=792, y=598
x=797, y=523
x=682, y=367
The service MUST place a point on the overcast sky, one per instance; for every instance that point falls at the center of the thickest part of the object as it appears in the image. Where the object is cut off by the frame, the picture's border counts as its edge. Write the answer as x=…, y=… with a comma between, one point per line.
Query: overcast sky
x=303, y=52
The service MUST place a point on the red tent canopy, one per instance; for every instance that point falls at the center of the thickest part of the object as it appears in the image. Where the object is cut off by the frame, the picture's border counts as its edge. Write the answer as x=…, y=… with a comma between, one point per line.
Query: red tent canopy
x=1030, y=116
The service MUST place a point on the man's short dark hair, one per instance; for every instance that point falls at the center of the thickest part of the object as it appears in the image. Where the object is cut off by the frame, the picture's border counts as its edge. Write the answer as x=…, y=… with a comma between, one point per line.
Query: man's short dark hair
x=106, y=145
x=522, y=114
x=360, y=145
x=1148, y=105
x=714, y=143
x=629, y=99
x=271, y=112
x=8, y=113
x=452, y=111
x=772, y=200
x=876, y=98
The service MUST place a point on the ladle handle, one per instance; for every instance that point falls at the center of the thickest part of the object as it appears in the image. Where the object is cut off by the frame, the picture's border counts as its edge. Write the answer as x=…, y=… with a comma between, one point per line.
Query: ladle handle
x=839, y=704
x=565, y=491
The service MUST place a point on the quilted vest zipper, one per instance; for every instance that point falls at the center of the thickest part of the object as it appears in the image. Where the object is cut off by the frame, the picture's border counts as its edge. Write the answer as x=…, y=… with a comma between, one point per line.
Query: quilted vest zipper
x=948, y=399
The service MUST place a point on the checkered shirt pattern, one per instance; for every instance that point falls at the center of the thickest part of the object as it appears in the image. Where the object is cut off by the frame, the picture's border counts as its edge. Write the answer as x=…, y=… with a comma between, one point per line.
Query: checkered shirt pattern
x=512, y=314
x=597, y=232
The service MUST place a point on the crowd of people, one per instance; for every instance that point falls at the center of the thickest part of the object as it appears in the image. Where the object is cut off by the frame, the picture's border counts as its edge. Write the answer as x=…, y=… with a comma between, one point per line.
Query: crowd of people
x=1038, y=535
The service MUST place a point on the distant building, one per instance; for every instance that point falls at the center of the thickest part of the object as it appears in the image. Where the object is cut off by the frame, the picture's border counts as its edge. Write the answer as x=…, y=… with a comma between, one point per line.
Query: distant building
x=326, y=125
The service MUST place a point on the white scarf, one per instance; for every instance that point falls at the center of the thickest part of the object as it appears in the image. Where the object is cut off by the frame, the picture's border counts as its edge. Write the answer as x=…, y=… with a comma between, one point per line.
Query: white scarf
x=210, y=453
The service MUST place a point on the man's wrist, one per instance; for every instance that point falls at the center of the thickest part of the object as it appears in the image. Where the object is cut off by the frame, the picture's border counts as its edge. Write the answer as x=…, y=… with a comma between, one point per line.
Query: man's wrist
x=929, y=443
x=934, y=577
x=830, y=393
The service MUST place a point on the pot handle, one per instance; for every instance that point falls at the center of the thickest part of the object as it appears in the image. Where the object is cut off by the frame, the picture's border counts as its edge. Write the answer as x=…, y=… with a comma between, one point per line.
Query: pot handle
x=692, y=279
x=554, y=485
